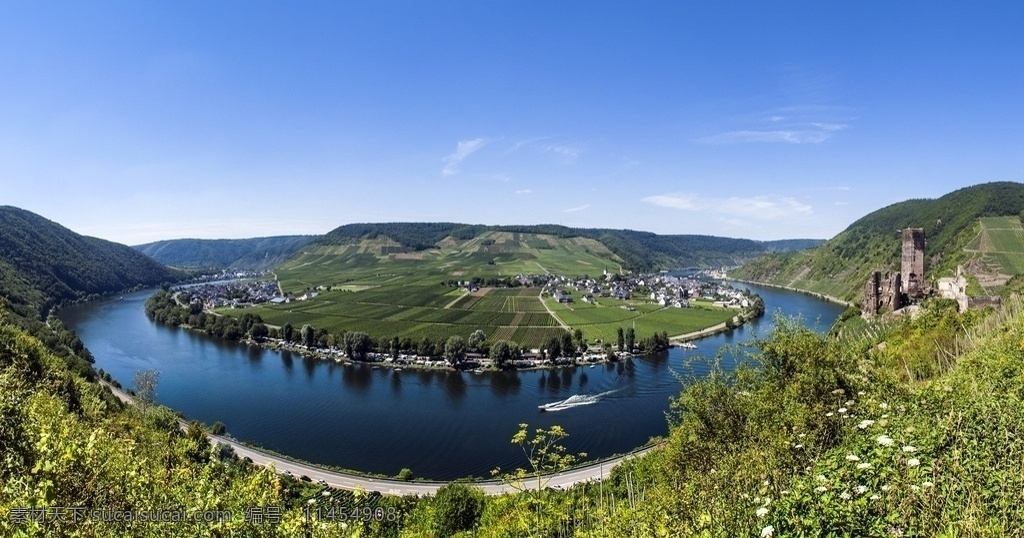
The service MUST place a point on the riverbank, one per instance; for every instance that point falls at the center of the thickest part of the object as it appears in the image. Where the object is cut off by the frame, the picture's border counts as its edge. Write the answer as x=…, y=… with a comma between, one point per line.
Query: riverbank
x=822, y=296
x=589, y=471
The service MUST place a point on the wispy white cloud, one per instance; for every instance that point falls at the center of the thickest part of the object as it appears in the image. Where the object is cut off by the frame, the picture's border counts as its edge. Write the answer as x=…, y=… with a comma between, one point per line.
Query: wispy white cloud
x=524, y=191
x=814, y=133
x=767, y=207
x=575, y=209
x=463, y=149
x=810, y=124
x=568, y=153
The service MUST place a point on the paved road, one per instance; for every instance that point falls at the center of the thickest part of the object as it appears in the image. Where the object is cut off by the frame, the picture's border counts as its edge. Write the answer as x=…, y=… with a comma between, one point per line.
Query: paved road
x=594, y=471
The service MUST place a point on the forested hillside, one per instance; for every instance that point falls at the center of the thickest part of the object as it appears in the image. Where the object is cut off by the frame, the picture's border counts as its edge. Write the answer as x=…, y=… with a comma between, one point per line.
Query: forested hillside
x=43, y=263
x=254, y=254
x=640, y=251
x=841, y=265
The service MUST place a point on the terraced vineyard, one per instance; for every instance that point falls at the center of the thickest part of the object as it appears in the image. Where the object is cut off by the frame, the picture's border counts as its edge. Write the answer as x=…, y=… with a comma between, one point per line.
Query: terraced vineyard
x=378, y=287
x=1000, y=243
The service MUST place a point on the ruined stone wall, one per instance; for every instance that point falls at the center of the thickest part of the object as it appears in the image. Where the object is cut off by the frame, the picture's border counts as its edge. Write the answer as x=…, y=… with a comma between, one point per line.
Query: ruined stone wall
x=912, y=262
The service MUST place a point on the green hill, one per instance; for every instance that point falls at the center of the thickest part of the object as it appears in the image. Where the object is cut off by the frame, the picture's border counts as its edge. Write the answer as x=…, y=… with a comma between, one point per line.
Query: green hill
x=43, y=263
x=637, y=251
x=254, y=254
x=841, y=265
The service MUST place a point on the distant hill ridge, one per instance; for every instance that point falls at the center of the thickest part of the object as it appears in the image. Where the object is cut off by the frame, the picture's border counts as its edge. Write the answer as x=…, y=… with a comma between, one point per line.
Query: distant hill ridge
x=638, y=250
x=841, y=265
x=43, y=263
x=255, y=254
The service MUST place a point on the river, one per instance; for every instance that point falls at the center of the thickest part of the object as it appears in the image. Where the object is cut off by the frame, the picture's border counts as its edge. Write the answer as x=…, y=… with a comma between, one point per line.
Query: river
x=441, y=425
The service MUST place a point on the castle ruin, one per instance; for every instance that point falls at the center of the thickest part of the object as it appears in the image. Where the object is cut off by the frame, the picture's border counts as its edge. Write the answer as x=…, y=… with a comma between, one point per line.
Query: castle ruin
x=895, y=290
x=912, y=262
x=882, y=294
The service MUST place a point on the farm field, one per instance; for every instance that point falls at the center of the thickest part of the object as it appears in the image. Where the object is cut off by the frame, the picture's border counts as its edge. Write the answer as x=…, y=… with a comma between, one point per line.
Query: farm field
x=377, y=287
x=1000, y=244
x=601, y=321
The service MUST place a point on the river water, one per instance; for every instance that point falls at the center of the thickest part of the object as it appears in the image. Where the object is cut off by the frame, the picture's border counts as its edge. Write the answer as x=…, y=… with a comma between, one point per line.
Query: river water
x=442, y=425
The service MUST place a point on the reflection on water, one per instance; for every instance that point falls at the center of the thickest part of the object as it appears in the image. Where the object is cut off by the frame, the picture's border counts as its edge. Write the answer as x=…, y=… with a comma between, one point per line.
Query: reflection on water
x=440, y=424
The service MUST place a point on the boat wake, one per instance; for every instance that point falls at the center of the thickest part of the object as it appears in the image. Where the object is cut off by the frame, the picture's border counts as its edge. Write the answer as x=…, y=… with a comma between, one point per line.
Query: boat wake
x=575, y=400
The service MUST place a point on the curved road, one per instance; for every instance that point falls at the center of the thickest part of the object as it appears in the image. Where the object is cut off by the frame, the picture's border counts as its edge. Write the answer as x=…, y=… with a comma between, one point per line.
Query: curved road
x=599, y=470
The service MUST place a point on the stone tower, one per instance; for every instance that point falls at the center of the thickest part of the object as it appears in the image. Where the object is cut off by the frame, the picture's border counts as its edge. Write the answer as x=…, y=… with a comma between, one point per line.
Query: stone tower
x=912, y=266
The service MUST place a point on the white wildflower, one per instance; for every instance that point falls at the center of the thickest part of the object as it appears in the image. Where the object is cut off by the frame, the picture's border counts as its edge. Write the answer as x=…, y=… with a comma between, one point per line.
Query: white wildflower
x=829, y=414
x=915, y=487
x=913, y=462
x=910, y=449
x=874, y=497
x=860, y=490
x=821, y=478
x=866, y=423
x=761, y=512
x=886, y=487
x=845, y=496
x=851, y=457
x=842, y=410
x=798, y=447
x=821, y=489
x=883, y=405
x=927, y=484
x=884, y=440
x=849, y=403
x=767, y=531
x=860, y=393
x=864, y=465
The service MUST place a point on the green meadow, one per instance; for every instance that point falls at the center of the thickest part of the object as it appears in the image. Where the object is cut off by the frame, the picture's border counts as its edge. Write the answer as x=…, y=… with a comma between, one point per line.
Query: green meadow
x=376, y=286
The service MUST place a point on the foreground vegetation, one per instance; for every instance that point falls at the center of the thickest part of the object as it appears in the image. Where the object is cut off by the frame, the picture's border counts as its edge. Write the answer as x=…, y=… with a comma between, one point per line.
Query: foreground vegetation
x=907, y=427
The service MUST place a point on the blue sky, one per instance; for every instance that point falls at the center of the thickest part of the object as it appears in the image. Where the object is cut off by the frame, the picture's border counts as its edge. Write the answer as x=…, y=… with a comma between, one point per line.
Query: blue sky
x=134, y=121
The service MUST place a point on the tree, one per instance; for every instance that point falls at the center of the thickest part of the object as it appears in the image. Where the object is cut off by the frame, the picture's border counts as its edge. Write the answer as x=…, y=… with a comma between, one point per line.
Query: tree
x=455, y=350
x=581, y=343
x=568, y=346
x=457, y=507
x=426, y=347
x=504, y=351
x=553, y=346
x=621, y=338
x=357, y=344
x=288, y=332
x=476, y=339
x=308, y=335
x=145, y=386
x=630, y=339
x=259, y=331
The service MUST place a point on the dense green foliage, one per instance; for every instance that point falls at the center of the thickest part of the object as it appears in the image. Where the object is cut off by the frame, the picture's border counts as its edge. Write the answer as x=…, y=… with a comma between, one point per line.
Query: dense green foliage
x=43, y=263
x=841, y=266
x=254, y=254
x=163, y=308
